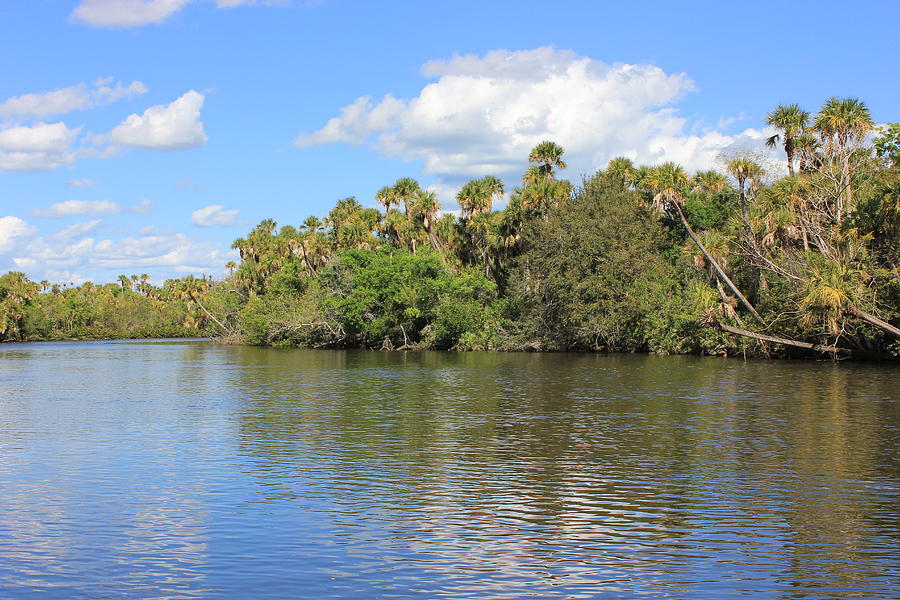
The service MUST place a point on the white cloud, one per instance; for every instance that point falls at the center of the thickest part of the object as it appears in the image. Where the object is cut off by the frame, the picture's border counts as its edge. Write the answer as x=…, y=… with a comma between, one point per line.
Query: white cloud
x=170, y=250
x=483, y=114
x=74, y=97
x=81, y=183
x=126, y=13
x=74, y=253
x=38, y=147
x=216, y=214
x=91, y=208
x=12, y=231
x=135, y=13
x=174, y=126
x=76, y=230
x=42, y=137
x=78, y=208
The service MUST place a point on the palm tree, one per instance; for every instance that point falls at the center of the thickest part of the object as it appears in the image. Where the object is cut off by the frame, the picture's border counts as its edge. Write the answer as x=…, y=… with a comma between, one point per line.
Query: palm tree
x=843, y=121
x=842, y=124
x=468, y=197
x=745, y=171
x=791, y=193
x=790, y=121
x=427, y=206
x=386, y=197
x=621, y=170
x=405, y=190
x=711, y=182
x=533, y=175
x=547, y=155
x=806, y=148
x=493, y=188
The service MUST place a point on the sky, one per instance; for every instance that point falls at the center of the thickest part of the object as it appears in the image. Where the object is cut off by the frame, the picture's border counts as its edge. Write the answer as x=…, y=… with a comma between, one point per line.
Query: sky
x=144, y=136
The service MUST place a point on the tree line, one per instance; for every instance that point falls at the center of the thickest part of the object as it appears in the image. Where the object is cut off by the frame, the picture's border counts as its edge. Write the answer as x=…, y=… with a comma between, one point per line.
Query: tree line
x=634, y=258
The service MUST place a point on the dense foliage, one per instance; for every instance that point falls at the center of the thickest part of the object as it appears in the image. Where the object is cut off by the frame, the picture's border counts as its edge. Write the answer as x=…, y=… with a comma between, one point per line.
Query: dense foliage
x=636, y=258
x=132, y=308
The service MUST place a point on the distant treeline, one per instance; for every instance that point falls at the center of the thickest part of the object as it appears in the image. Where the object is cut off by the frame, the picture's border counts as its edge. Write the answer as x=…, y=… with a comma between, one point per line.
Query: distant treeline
x=131, y=308
x=633, y=259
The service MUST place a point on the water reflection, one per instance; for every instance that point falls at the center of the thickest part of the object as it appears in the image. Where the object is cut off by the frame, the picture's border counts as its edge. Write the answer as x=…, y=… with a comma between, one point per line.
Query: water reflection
x=200, y=470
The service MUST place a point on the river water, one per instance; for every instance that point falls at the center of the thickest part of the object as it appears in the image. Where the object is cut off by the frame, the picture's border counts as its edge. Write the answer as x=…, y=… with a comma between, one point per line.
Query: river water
x=184, y=469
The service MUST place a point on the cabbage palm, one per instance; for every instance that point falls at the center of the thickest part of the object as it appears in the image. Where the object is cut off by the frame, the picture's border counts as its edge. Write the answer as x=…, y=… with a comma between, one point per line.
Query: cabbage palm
x=746, y=171
x=790, y=121
x=711, y=182
x=622, y=171
x=405, y=190
x=547, y=155
x=386, y=197
x=842, y=124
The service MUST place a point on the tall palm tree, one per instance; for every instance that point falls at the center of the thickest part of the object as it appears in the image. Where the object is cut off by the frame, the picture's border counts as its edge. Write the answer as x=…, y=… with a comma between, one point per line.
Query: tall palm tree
x=468, y=197
x=547, y=155
x=493, y=188
x=386, y=197
x=405, y=190
x=790, y=121
x=621, y=170
x=843, y=121
x=842, y=124
x=427, y=206
x=746, y=171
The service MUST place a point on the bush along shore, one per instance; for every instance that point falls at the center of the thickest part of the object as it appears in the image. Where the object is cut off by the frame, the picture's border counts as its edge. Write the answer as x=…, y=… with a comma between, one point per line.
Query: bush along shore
x=632, y=259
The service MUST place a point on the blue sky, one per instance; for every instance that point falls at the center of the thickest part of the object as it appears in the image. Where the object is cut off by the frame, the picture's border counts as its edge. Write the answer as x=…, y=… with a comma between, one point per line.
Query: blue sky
x=144, y=136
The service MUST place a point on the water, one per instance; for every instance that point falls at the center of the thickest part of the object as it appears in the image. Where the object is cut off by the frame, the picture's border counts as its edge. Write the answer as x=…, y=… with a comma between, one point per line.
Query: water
x=191, y=470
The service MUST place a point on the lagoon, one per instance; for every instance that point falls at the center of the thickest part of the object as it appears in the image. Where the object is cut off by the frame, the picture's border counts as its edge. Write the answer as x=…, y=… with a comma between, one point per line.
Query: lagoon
x=186, y=469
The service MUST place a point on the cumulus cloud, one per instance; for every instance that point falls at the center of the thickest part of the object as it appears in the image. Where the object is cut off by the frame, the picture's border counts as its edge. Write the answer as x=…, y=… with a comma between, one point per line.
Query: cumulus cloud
x=216, y=214
x=74, y=97
x=39, y=147
x=12, y=232
x=135, y=13
x=174, y=126
x=482, y=114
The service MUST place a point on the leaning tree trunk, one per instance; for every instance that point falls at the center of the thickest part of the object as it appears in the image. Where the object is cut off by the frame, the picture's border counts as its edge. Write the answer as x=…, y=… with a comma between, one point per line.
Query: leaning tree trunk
x=715, y=264
x=209, y=314
x=784, y=341
x=873, y=320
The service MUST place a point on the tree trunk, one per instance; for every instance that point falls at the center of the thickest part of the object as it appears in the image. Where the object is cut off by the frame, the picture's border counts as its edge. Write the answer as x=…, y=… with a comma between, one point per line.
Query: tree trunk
x=785, y=341
x=715, y=265
x=737, y=317
x=789, y=150
x=873, y=320
x=210, y=315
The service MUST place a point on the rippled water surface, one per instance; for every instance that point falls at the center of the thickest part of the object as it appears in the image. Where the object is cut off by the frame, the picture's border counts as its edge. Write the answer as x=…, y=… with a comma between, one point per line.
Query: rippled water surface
x=187, y=469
